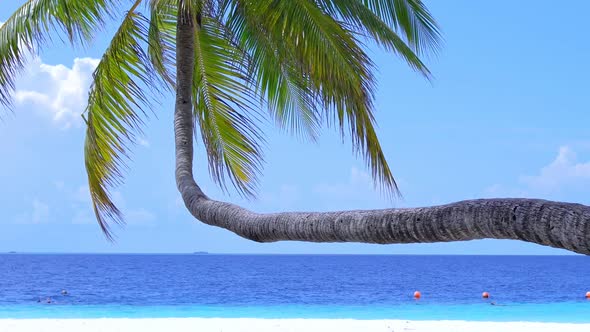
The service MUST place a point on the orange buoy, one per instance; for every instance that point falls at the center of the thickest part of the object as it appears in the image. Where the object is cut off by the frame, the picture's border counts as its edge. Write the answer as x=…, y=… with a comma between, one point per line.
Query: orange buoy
x=485, y=295
x=588, y=295
x=417, y=295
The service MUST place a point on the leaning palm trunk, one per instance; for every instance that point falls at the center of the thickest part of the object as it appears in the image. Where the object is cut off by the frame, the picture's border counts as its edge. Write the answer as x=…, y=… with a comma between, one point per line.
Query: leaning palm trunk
x=555, y=224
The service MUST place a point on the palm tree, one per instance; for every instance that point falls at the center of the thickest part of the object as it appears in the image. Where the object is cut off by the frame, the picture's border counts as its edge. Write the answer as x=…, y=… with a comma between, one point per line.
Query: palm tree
x=303, y=61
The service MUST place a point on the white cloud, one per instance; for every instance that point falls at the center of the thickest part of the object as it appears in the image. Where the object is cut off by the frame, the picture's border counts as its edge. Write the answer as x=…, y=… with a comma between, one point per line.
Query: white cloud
x=564, y=170
x=84, y=215
x=141, y=217
x=563, y=173
x=143, y=142
x=358, y=181
x=57, y=89
x=38, y=214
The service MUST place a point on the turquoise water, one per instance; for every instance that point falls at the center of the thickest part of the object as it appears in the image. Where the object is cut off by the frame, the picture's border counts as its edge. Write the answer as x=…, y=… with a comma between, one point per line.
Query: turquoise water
x=525, y=288
x=575, y=312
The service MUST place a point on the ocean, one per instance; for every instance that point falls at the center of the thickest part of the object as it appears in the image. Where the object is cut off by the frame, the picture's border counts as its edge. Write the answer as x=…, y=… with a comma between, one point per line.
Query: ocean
x=522, y=288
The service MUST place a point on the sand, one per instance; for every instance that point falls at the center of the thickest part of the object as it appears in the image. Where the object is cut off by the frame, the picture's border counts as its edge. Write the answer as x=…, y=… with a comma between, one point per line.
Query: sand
x=274, y=325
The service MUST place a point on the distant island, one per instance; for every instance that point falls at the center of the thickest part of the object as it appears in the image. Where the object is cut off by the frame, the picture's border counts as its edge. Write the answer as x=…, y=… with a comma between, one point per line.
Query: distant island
x=12, y=252
x=200, y=253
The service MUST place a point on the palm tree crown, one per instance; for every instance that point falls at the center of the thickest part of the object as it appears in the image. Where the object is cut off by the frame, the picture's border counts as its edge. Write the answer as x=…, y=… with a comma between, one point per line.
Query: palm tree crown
x=300, y=62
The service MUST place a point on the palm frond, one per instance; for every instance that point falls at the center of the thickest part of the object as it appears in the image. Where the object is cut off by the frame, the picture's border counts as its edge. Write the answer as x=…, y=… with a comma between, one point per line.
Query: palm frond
x=162, y=38
x=363, y=20
x=335, y=69
x=225, y=109
x=292, y=102
x=413, y=19
x=32, y=25
x=117, y=104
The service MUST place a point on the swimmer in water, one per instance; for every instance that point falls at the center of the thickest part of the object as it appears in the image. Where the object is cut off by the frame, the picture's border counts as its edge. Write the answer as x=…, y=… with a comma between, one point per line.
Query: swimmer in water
x=64, y=292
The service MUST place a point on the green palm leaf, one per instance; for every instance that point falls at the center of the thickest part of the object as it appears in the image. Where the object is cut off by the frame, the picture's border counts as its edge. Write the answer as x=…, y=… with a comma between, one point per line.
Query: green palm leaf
x=334, y=68
x=162, y=38
x=276, y=70
x=117, y=104
x=225, y=108
x=363, y=20
x=413, y=19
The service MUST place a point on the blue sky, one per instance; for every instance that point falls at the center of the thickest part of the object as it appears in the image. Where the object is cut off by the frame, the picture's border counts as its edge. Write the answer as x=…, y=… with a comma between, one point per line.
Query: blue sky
x=507, y=115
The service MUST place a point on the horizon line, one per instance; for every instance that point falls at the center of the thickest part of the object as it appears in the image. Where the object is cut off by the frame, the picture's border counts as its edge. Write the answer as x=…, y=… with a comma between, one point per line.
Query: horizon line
x=205, y=253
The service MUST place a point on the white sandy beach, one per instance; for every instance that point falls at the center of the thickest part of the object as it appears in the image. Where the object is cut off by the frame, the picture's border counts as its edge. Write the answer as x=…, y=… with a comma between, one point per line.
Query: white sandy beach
x=273, y=325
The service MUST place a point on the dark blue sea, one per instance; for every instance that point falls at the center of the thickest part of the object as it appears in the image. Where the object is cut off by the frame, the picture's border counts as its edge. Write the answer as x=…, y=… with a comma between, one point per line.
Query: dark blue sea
x=522, y=288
